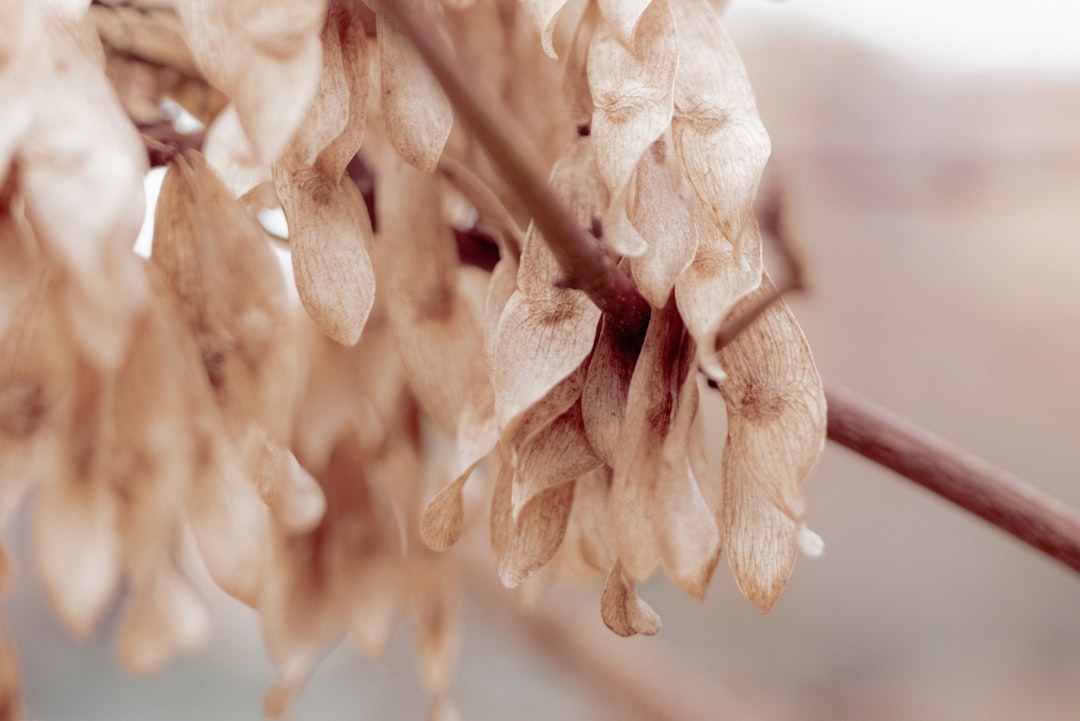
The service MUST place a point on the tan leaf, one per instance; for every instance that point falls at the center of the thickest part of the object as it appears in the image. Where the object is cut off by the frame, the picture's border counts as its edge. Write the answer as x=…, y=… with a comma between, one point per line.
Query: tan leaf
x=346, y=19
x=589, y=545
x=663, y=220
x=522, y=548
x=329, y=232
x=415, y=112
x=776, y=432
x=623, y=610
x=631, y=86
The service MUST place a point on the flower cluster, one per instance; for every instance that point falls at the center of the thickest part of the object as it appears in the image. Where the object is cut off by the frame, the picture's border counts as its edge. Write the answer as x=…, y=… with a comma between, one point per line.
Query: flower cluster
x=185, y=393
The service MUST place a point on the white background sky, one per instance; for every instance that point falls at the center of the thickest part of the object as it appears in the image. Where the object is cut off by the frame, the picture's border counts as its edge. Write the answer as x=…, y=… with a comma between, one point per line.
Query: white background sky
x=964, y=35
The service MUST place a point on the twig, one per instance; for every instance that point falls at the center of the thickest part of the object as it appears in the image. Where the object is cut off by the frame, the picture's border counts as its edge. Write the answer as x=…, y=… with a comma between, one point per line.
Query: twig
x=587, y=265
x=956, y=475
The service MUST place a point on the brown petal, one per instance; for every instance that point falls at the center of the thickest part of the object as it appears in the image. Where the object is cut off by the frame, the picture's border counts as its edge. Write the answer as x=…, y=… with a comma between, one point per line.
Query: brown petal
x=603, y=399
x=415, y=111
x=552, y=456
x=623, y=610
x=295, y=498
x=328, y=232
x=444, y=516
x=589, y=545
x=524, y=547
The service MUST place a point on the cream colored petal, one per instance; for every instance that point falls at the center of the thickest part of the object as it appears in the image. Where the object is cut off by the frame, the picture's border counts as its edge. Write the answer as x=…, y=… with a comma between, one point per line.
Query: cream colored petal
x=623, y=610
x=545, y=14
x=265, y=56
x=552, y=456
x=77, y=549
x=660, y=215
x=435, y=598
x=524, y=547
x=328, y=232
x=165, y=615
x=717, y=278
x=415, y=111
x=232, y=156
x=631, y=88
x=622, y=16
x=589, y=545
x=293, y=495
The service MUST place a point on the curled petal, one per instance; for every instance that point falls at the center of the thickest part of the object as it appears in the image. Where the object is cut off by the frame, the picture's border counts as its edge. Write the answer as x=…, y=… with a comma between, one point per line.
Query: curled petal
x=444, y=516
x=603, y=398
x=623, y=610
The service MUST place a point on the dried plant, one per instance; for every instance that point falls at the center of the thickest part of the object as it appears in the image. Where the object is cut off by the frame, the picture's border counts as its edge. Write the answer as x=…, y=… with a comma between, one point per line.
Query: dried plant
x=320, y=457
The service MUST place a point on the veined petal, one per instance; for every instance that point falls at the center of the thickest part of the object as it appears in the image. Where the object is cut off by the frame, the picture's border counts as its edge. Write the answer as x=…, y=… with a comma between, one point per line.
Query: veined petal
x=632, y=87
x=623, y=610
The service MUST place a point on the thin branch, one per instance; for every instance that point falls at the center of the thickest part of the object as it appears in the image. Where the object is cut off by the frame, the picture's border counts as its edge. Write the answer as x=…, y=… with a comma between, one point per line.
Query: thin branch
x=956, y=475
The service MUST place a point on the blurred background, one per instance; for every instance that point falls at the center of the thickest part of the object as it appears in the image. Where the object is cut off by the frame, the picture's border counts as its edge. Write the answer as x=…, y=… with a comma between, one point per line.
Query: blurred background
x=930, y=159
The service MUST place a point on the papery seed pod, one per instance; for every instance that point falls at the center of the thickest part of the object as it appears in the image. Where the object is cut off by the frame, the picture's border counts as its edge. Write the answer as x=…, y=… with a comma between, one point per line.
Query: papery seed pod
x=545, y=14
x=776, y=432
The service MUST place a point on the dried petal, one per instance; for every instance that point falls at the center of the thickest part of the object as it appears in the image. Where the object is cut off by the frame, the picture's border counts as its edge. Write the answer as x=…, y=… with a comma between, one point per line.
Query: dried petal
x=545, y=14
x=522, y=548
x=552, y=456
x=266, y=56
x=10, y=701
x=622, y=16
x=660, y=215
x=631, y=88
x=444, y=516
x=603, y=399
x=416, y=113
x=623, y=610
x=776, y=432
x=329, y=231
x=164, y=615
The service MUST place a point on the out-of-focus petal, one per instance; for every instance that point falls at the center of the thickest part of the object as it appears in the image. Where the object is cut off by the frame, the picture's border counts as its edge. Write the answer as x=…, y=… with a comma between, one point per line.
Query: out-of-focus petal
x=415, y=110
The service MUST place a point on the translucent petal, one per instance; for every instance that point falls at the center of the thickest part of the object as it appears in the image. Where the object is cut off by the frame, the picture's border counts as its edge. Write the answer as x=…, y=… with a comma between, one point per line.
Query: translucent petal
x=623, y=610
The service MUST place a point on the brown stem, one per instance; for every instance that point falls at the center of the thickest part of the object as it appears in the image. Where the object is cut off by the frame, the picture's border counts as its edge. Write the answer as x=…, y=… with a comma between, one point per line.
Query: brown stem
x=916, y=454
x=954, y=474
x=587, y=265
